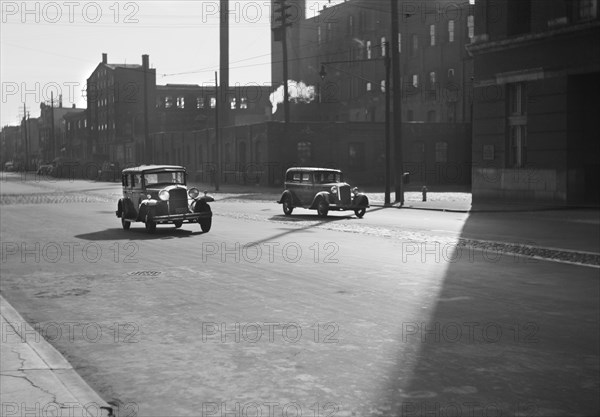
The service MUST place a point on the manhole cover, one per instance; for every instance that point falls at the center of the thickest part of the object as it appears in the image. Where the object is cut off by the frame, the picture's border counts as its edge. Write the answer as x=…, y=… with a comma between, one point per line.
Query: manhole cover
x=144, y=273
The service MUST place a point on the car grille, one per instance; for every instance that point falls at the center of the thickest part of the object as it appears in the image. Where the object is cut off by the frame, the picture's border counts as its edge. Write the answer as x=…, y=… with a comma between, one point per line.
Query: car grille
x=178, y=201
x=344, y=191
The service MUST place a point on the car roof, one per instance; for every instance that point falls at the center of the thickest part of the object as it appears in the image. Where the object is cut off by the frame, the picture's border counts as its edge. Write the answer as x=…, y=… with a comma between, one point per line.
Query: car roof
x=152, y=168
x=312, y=169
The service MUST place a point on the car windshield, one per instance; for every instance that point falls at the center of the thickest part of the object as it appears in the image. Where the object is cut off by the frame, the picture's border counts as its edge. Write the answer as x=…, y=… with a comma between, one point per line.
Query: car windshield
x=164, y=178
x=325, y=177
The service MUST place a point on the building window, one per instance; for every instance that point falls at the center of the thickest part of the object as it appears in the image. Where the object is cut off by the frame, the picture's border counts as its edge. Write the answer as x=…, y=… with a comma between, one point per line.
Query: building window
x=432, y=35
x=180, y=102
x=383, y=46
x=319, y=36
x=414, y=45
x=356, y=156
x=351, y=25
x=471, y=27
x=517, y=125
x=199, y=102
x=451, y=31
x=168, y=102
x=213, y=102
x=160, y=101
x=450, y=74
x=441, y=152
x=415, y=80
x=368, y=86
x=586, y=9
x=369, y=50
x=383, y=86
x=304, y=152
x=432, y=79
x=328, y=33
x=233, y=104
x=243, y=103
x=410, y=115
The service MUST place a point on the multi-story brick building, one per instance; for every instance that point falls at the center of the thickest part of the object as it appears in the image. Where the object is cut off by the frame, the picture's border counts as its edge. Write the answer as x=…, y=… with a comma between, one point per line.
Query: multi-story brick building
x=537, y=82
x=120, y=106
x=354, y=37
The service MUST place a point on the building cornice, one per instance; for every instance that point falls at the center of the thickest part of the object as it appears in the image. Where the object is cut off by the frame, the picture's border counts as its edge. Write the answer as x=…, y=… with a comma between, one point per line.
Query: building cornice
x=483, y=46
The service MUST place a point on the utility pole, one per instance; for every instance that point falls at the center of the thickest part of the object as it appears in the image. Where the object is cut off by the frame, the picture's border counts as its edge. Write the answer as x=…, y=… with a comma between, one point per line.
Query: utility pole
x=224, y=62
x=53, y=140
x=147, y=146
x=282, y=33
x=26, y=137
x=397, y=106
x=388, y=147
x=217, y=138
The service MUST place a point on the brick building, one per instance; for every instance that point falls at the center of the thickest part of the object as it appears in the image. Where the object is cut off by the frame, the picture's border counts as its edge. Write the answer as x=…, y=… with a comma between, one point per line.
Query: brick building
x=120, y=107
x=537, y=80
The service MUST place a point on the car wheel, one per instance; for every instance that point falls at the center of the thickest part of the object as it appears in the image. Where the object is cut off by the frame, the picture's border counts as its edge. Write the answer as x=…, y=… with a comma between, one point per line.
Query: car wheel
x=150, y=223
x=360, y=212
x=126, y=225
x=178, y=224
x=322, y=208
x=287, y=205
x=205, y=224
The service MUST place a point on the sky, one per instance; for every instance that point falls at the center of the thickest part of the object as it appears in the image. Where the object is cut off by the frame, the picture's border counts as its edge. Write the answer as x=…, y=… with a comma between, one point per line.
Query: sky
x=53, y=46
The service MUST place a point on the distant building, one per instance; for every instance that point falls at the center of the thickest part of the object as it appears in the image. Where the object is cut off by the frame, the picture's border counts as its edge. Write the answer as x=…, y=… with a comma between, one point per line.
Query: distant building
x=52, y=127
x=537, y=83
x=76, y=136
x=185, y=107
x=120, y=101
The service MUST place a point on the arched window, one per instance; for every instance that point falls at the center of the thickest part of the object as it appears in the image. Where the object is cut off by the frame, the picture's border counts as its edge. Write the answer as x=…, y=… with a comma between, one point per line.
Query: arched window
x=304, y=152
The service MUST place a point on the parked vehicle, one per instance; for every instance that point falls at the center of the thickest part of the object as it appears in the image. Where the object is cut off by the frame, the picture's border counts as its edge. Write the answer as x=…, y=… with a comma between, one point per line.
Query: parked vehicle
x=321, y=189
x=158, y=194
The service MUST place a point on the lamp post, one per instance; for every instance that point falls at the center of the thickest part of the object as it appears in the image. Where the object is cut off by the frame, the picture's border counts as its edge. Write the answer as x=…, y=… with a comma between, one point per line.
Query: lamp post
x=387, y=63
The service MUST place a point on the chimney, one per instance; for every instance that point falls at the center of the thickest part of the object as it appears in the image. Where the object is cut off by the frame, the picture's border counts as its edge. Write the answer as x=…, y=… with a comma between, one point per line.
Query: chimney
x=104, y=58
x=145, y=59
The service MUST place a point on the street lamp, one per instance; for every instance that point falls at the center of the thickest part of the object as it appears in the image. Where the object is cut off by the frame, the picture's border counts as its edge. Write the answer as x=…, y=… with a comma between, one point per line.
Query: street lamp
x=386, y=60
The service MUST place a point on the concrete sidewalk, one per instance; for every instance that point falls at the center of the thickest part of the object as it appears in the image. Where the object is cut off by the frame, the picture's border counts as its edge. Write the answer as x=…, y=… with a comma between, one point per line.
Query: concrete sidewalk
x=35, y=379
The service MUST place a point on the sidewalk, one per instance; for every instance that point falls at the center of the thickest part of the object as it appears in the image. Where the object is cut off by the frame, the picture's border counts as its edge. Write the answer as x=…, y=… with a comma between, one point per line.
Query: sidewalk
x=35, y=379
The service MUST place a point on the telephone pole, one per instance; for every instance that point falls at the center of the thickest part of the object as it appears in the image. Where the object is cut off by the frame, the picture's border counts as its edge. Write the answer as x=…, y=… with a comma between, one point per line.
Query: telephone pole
x=26, y=136
x=397, y=106
x=281, y=34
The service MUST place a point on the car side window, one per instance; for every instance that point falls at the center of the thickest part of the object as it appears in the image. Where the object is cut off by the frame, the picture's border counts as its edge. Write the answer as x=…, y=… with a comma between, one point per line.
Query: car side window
x=306, y=177
x=296, y=177
x=136, y=181
x=125, y=180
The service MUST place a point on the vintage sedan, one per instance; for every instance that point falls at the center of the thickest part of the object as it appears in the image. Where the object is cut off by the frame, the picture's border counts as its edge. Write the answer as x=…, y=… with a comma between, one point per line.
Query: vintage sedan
x=321, y=189
x=158, y=194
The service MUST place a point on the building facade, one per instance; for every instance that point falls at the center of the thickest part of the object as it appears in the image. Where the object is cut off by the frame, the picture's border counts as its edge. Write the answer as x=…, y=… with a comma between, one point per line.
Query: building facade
x=120, y=109
x=341, y=51
x=537, y=79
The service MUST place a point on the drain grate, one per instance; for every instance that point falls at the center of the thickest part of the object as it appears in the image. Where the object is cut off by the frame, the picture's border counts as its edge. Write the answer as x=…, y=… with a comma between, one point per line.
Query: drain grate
x=145, y=273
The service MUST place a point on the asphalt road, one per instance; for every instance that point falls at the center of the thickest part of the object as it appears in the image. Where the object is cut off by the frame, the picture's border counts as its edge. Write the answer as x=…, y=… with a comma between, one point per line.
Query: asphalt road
x=267, y=315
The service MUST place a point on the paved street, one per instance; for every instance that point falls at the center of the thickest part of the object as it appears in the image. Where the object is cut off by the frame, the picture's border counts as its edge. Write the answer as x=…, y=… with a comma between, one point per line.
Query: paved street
x=403, y=312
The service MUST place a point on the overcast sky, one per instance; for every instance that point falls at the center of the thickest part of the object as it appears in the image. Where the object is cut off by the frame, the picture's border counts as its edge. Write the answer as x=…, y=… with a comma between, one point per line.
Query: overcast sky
x=54, y=46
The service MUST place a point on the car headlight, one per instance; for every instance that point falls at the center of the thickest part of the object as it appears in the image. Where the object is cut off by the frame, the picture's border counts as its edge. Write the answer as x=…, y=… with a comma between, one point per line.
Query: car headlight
x=355, y=191
x=193, y=193
x=334, y=189
x=163, y=195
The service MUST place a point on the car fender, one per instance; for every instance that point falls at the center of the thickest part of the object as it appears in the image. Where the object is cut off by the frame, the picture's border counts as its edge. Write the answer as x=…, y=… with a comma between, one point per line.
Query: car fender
x=318, y=196
x=206, y=199
x=127, y=208
x=201, y=205
x=286, y=193
x=361, y=200
x=149, y=202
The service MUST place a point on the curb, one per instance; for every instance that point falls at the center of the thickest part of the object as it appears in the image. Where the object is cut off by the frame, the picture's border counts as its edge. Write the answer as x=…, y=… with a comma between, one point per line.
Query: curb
x=56, y=362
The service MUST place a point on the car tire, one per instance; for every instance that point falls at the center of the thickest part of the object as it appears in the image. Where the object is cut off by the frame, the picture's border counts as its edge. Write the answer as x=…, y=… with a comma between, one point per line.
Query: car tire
x=322, y=208
x=287, y=205
x=126, y=225
x=178, y=224
x=360, y=212
x=205, y=224
x=150, y=223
